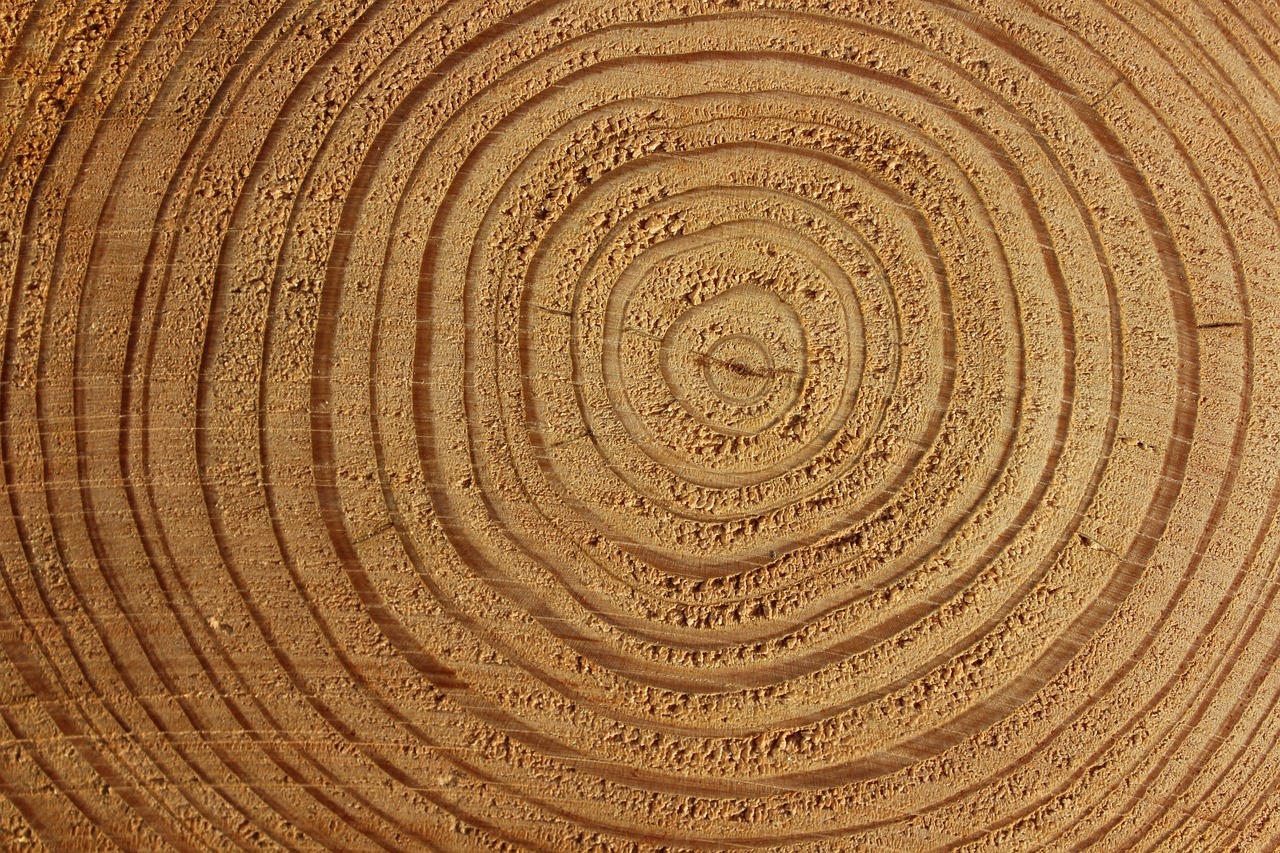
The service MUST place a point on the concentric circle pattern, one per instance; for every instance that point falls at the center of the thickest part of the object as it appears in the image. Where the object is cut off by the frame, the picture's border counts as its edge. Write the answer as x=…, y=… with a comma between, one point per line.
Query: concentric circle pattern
x=595, y=426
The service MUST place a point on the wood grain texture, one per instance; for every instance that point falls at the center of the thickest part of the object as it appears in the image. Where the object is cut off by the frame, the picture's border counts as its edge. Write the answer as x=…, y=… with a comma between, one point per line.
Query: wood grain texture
x=789, y=425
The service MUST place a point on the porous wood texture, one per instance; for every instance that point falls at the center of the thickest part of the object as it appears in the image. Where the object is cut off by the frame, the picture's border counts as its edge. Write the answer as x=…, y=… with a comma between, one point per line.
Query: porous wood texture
x=639, y=425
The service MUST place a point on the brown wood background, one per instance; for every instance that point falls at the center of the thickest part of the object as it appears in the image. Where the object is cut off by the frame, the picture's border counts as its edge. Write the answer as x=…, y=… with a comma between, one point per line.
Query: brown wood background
x=796, y=425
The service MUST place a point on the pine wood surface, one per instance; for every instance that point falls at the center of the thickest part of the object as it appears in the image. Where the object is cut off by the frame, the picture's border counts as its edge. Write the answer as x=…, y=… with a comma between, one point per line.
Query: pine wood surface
x=785, y=425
